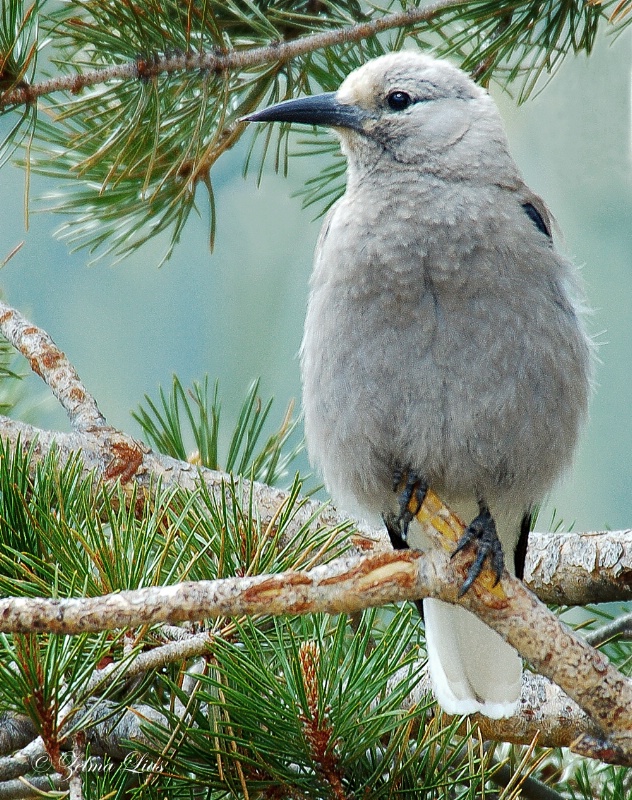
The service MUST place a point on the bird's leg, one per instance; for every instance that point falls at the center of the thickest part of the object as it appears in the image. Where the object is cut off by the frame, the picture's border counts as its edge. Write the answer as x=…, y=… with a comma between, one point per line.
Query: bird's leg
x=482, y=532
x=397, y=524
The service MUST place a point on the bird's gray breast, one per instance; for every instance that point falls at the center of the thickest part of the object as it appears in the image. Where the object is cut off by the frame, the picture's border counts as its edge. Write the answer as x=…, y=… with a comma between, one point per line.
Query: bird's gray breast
x=438, y=337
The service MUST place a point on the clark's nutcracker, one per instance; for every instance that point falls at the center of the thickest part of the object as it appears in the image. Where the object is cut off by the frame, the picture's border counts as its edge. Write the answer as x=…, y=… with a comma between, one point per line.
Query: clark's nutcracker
x=443, y=343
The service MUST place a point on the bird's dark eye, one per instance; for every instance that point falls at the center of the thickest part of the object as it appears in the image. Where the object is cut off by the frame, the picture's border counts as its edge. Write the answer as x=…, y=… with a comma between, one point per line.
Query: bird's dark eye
x=398, y=101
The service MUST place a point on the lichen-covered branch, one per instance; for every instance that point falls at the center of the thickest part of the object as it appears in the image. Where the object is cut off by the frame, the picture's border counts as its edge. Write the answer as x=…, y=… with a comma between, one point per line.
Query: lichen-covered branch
x=47, y=360
x=353, y=583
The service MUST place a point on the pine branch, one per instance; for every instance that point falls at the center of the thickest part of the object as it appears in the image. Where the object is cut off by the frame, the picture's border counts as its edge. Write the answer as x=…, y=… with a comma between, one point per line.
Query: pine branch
x=108, y=455
x=233, y=61
x=133, y=140
x=109, y=733
x=277, y=52
x=351, y=584
x=545, y=712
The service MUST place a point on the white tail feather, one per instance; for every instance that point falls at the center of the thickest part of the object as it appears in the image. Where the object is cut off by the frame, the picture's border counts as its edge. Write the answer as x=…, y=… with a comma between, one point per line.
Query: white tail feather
x=471, y=666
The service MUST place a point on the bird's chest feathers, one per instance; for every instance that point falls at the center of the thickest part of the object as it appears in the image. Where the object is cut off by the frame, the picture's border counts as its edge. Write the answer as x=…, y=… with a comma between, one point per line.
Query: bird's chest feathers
x=394, y=250
x=402, y=270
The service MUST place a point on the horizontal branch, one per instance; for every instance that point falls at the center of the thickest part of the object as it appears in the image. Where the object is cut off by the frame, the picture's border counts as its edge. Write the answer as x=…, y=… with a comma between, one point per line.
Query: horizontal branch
x=568, y=568
x=544, y=711
x=233, y=60
x=108, y=455
x=343, y=586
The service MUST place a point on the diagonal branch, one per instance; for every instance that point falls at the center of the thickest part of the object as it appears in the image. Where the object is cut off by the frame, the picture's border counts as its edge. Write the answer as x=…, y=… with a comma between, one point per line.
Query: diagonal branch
x=53, y=367
x=234, y=60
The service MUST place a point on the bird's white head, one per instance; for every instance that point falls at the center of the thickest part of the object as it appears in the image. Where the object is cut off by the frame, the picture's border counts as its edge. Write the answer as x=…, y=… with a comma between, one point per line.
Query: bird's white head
x=409, y=108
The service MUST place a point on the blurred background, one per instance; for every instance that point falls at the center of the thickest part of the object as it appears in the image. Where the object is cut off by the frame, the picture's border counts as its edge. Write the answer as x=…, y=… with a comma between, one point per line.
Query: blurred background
x=237, y=313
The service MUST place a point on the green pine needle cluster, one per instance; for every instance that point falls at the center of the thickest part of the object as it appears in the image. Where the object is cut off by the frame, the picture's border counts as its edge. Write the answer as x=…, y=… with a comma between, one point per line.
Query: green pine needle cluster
x=131, y=151
x=194, y=414
x=309, y=706
x=298, y=707
x=20, y=43
x=312, y=707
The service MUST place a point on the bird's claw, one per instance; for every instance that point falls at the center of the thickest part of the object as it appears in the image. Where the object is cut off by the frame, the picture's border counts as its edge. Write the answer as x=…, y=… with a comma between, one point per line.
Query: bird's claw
x=482, y=533
x=414, y=488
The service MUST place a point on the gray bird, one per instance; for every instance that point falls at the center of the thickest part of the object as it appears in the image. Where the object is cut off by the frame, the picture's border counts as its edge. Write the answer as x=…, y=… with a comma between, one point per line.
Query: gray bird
x=443, y=343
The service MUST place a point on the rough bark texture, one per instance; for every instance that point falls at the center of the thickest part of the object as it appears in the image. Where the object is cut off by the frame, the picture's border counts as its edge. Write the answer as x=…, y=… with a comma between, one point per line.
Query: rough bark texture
x=569, y=567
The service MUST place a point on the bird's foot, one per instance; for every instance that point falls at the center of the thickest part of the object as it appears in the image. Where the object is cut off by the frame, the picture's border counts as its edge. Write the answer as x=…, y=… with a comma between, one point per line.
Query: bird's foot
x=482, y=533
x=410, y=487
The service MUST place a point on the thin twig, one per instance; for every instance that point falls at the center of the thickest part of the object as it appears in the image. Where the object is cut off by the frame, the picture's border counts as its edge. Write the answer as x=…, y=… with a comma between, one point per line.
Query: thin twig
x=620, y=627
x=194, y=645
x=530, y=788
x=486, y=63
x=233, y=60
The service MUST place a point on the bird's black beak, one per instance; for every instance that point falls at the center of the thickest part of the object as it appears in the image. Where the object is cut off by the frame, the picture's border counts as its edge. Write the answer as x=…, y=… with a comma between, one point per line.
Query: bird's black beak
x=319, y=109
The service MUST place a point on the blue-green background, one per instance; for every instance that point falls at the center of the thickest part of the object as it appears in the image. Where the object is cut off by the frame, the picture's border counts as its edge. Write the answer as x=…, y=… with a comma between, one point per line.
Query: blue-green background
x=238, y=313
